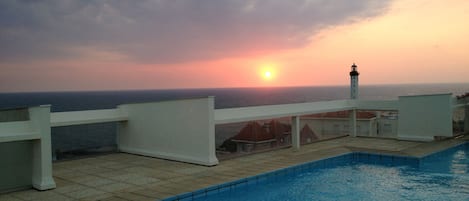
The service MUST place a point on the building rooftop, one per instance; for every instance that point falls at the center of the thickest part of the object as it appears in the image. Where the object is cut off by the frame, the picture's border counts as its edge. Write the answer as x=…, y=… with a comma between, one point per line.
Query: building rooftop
x=121, y=176
x=253, y=132
x=306, y=132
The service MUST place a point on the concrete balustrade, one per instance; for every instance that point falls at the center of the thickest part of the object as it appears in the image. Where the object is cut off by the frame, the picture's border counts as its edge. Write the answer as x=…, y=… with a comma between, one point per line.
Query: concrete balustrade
x=183, y=130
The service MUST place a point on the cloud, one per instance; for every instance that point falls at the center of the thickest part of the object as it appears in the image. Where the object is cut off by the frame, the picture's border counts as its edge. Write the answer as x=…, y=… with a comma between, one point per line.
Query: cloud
x=168, y=31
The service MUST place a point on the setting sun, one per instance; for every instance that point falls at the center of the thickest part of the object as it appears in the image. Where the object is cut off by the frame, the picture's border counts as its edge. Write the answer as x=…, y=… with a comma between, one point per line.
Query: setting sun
x=268, y=71
x=267, y=74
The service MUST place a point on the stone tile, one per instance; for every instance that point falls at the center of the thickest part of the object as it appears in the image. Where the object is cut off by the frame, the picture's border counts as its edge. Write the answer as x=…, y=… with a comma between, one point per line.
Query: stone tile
x=97, y=197
x=95, y=170
x=34, y=194
x=70, y=188
x=147, y=192
x=179, y=179
x=111, y=174
x=57, y=197
x=85, y=193
x=153, y=194
x=166, y=175
x=128, y=177
x=8, y=197
x=62, y=182
x=105, y=163
x=139, y=169
x=133, y=196
x=97, y=182
x=120, y=166
x=115, y=187
x=132, y=189
x=142, y=180
x=63, y=165
x=68, y=174
x=192, y=170
x=113, y=198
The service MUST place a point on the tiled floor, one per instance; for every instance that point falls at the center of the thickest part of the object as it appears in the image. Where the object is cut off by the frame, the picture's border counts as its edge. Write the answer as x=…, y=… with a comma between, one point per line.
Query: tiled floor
x=123, y=176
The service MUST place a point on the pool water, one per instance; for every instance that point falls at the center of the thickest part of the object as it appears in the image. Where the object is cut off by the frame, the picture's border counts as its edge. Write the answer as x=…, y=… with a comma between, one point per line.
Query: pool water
x=440, y=176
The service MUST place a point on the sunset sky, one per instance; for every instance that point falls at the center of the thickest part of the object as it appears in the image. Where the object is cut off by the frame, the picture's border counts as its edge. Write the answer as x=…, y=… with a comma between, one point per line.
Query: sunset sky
x=111, y=45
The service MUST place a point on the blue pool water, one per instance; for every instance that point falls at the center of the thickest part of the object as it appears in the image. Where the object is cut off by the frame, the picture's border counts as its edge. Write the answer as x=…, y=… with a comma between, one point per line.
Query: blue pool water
x=355, y=176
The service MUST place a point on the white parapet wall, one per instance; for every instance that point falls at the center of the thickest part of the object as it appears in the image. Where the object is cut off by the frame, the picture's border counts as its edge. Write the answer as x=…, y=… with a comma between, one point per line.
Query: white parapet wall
x=20, y=137
x=181, y=130
x=423, y=117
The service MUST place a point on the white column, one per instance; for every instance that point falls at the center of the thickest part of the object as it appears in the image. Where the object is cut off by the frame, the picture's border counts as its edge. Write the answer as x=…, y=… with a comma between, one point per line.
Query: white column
x=353, y=123
x=295, y=131
x=42, y=150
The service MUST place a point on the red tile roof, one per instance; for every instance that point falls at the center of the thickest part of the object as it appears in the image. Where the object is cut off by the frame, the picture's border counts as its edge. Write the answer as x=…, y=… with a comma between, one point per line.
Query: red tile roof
x=253, y=132
x=279, y=129
x=307, y=132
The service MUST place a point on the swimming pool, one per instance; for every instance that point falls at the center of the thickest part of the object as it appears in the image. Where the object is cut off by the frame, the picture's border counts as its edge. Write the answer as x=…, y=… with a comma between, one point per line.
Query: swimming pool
x=355, y=176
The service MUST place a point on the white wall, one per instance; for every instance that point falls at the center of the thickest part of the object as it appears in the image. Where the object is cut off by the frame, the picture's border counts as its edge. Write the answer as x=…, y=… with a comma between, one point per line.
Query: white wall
x=423, y=117
x=181, y=130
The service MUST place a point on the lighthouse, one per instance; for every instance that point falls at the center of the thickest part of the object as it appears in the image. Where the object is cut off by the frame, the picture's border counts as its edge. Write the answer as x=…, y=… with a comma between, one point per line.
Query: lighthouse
x=354, y=82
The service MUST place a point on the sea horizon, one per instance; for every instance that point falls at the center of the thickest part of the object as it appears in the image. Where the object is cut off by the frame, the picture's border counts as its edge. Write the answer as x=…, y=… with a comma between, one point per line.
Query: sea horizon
x=217, y=88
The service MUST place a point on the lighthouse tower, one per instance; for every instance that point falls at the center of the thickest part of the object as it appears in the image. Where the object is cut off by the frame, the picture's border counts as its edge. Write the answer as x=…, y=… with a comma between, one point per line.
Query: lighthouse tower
x=354, y=82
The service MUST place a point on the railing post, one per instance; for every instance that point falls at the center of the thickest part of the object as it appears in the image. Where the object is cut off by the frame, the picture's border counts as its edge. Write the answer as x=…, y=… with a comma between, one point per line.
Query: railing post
x=295, y=130
x=42, y=154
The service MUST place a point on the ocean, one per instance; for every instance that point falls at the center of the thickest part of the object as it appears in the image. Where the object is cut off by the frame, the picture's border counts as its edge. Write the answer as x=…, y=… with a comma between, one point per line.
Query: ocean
x=224, y=97
x=101, y=137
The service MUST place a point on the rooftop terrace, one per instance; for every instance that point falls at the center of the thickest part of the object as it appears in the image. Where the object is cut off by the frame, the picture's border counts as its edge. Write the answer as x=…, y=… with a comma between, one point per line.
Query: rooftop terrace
x=121, y=176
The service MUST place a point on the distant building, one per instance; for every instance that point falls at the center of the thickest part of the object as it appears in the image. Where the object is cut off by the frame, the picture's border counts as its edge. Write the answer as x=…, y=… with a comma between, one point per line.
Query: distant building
x=281, y=131
x=332, y=124
x=307, y=135
x=253, y=137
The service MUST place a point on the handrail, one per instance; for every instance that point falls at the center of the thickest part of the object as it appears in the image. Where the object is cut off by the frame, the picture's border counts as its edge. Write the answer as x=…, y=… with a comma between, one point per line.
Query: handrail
x=233, y=115
x=87, y=117
x=17, y=130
